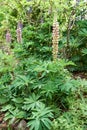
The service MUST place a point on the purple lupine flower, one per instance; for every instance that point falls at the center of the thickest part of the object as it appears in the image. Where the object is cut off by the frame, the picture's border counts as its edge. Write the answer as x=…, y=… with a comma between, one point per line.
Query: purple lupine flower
x=20, y=25
x=8, y=37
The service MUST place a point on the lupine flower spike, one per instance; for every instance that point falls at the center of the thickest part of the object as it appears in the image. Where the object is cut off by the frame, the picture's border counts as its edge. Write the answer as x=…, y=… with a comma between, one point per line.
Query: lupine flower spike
x=55, y=38
x=19, y=33
x=8, y=40
x=8, y=37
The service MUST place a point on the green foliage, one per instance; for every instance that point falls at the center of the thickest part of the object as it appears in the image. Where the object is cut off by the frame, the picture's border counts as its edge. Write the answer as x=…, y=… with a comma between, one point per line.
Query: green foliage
x=6, y=63
x=4, y=94
x=37, y=17
x=67, y=121
x=75, y=118
x=35, y=83
x=78, y=55
x=32, y=86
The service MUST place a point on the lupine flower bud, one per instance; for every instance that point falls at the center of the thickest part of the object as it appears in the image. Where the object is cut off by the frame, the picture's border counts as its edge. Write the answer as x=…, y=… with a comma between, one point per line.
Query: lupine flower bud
x=55, y=36
x=8, y=37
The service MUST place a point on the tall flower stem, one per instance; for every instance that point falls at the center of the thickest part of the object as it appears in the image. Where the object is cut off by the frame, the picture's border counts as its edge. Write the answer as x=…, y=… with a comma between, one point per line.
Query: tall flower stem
x=19, y=32
x=19, y=35
x=8, y=41
x=55, y=38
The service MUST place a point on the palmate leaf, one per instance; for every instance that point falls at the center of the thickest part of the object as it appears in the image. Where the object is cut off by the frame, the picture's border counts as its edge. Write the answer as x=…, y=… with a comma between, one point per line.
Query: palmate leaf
x=18, y=100
x=3, y=100
x=17, y=85
x=40, y=119
x=58, y=66
x=46, y=122
x=46, y=49
x=32, y=102
x=20, y=114
x=8, y=116
x=21, y=81
x=13, y=112
x=24, y=79
x=83, y=32
x=4, y=94
x=3, y=88
x=34, y=124
x=8, y=107
x=29, y=44
x=69, y=85
x=49, y=89
x=84, y=51
x=41, y=67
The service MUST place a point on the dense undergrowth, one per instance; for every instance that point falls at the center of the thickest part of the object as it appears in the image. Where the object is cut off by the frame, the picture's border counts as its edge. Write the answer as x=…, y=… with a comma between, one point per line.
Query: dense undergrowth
x=33, y=87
